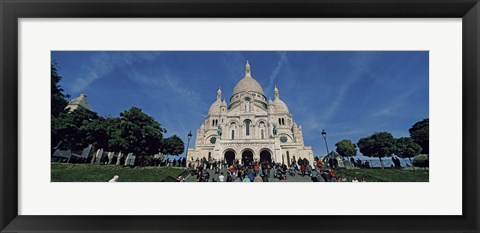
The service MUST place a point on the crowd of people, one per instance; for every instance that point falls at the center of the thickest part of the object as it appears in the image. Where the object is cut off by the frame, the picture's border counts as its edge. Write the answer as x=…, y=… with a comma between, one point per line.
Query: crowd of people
x=262, y=171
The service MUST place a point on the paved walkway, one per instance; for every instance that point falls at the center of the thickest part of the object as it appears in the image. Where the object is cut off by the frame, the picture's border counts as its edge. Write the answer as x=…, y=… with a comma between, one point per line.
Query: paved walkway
x=296, y=178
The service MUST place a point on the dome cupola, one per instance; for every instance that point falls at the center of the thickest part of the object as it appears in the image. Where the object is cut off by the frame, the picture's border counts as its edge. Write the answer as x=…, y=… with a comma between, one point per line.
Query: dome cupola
x=247, y=84
x=280, y=106
x=215, y=107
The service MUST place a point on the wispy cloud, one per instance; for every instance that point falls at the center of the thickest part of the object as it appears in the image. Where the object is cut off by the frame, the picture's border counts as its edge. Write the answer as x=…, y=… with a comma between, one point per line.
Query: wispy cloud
x=156, y=82
x=359, y=69
x=103, y=63
x=282, y=62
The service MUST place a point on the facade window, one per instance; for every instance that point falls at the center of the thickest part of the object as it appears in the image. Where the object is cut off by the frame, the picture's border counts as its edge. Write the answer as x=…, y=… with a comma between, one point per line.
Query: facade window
x=233, y=134
x=283, y=121
x=279, y=121
x=262, y=134
x=247, y=127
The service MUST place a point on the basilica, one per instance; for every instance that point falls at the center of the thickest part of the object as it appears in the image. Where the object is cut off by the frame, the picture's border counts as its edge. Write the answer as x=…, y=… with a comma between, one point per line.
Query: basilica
x=249, y=128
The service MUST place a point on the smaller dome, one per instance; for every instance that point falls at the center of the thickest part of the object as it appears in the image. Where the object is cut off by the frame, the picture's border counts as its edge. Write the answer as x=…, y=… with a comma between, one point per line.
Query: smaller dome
x=270, y=102
x=280, y=106
x=215, y=108
x=224, y=103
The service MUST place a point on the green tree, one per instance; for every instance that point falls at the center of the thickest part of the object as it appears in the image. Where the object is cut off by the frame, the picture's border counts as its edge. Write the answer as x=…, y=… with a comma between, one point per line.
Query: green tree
x=419, y=134
x=140, y=134
x=407, y=148
x=68, y=129
x=377, y=145
x=58, y=98
x=173, y=146
x=346, y=148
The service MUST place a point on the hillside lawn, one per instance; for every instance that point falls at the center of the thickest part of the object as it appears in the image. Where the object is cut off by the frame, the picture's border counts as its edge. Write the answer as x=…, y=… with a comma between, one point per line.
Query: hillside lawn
x=67, y=172
x=64, y=172
x=385, y=175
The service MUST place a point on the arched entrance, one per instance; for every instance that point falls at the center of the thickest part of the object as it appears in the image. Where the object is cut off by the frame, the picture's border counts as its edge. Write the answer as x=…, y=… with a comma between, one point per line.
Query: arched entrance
x=229, y=157
x=265, y=156
x=247, y=157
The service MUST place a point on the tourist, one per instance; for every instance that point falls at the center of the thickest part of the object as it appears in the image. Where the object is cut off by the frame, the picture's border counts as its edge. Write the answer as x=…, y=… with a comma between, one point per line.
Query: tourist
x=268, y=169
x=303, y=169
x=319, y=163
x=264, y=178
x=239, y=174
x=333, y=176
x=291, y=171
x=221, y=178
x=246, y=179
x=251, y=175
x=326, y=176
x=229, y=178
x=258, y=179
x=314, y=176
x=309, y=169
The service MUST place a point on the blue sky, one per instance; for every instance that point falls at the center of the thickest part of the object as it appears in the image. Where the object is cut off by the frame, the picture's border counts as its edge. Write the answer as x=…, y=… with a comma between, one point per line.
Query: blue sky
x=350, y=94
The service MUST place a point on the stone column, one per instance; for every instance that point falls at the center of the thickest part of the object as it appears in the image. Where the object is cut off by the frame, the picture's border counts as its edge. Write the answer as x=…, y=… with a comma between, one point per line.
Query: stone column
x=119, y=157
x=110, y=157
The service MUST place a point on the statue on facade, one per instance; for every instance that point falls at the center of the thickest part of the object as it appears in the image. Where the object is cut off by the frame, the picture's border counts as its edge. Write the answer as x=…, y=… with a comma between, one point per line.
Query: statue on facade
x=219, y=130
x=274, y=129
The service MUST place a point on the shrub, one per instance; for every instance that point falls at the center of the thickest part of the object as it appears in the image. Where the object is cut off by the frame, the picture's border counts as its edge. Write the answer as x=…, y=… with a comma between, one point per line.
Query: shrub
x=420, y=161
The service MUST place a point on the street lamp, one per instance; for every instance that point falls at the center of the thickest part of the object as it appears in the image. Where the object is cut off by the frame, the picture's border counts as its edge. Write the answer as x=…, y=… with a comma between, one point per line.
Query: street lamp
x=188, y=144
x=324, y=134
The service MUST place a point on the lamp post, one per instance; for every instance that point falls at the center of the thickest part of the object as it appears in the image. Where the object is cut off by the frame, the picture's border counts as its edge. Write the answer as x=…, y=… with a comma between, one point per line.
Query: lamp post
x=324, y=134
x=188, y=144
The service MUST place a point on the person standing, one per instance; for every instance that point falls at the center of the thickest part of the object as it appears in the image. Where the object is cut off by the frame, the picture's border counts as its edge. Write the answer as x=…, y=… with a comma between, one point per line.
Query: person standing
x=221, y=178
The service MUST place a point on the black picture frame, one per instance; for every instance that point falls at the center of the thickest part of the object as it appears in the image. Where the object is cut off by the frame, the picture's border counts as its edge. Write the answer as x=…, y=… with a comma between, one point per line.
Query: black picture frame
x=11, y=11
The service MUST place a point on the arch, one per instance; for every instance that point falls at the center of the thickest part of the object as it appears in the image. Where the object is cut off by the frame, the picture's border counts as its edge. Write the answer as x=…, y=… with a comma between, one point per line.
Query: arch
x=233, y=121
x=229, y=156
x=265, y=156
x=247, y=156
x=261, y=120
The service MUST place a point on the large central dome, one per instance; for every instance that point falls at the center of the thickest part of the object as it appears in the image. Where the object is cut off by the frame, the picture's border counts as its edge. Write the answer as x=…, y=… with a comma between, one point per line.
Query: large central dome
x=247, y=84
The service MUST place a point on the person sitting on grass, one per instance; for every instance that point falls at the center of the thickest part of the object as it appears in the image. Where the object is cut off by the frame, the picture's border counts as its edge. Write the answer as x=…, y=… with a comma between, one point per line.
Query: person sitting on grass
x=246, y=179
x=114, y=179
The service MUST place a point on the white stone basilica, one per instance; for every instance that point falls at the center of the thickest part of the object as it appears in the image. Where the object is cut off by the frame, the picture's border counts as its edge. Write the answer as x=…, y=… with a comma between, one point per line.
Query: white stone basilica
x=250, y=128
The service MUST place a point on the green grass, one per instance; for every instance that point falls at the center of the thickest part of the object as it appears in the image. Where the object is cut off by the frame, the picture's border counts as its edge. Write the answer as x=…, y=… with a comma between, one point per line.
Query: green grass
x=63, y=172
x=385, y=175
